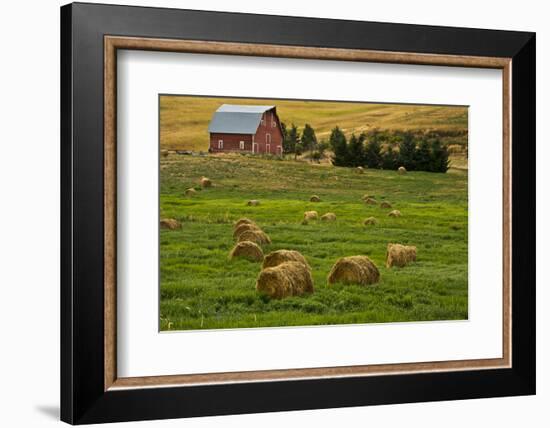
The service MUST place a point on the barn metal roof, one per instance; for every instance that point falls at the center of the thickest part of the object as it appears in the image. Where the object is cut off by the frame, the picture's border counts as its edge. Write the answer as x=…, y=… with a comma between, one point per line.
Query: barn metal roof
x=237, y=119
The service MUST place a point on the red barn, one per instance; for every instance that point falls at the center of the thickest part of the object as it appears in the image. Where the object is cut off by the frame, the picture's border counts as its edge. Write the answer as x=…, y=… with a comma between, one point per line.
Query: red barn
x=242, y=128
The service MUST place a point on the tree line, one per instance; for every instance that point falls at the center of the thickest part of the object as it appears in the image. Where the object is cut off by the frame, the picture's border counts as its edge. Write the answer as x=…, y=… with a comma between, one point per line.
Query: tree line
x=365, y=149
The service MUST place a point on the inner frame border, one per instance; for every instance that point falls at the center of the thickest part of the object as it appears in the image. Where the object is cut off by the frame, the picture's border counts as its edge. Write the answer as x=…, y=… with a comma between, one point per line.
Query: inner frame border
x=113, y=43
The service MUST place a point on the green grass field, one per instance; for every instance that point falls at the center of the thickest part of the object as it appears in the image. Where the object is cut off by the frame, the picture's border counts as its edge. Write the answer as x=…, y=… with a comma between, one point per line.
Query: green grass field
x=202, y=289
x=184, y=120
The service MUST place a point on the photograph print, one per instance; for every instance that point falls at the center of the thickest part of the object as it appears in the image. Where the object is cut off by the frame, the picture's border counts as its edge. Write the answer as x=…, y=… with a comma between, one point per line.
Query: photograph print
x=281, y=212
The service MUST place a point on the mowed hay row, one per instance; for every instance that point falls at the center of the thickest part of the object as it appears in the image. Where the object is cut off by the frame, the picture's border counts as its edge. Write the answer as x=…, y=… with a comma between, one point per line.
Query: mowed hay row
x=258, y=236
x=311, y=215
x=354, y=270
x=170, y=223
x=243, y=220
x=400, y=255
x=328, y=217
x=247, y=250
x=278, y=257
x=285, y=280
x=243, y=228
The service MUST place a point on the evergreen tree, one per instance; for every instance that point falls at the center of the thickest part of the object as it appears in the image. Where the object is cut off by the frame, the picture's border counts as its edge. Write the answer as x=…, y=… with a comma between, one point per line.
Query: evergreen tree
x=339, y=147
x=423, y=156
x=356, y=150
x=373, y=155
x=309, y=140
x=290, y=138
x=440, y=157
x=389, y=159
x=336, y=138
x=407, y=152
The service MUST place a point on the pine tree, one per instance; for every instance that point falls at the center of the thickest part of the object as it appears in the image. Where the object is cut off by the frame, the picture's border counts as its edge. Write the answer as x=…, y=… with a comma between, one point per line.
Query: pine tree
x=339, y=147
x=389, y=159
x=356, y=150
x=440, y=157
x=291, y=137
x=407, y=152
x=309, y=140
x=373, y=155
x=423, y=156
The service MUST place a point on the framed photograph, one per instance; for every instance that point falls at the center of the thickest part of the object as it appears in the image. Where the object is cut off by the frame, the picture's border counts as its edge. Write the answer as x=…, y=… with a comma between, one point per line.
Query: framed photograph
x=267, y=213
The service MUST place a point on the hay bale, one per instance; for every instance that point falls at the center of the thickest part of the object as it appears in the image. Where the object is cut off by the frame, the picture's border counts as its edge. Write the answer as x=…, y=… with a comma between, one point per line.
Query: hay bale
x=258, y=236
x=401, y=170
x=284, y=280
x=354, y=270
x=385, y=205
x=248, y=250
x=243, y=220
x=253, y=203
x=394, y=213
x=315, y=198
x=328, y=217
x=170, y=223
x=370, y=201
x=164, y=153
x=400, y=255
x=243, y=228
x=275, y=258
x=190, y=192
x=360, y=169
x=311, y=215
x=205, y=182
x=370, y=221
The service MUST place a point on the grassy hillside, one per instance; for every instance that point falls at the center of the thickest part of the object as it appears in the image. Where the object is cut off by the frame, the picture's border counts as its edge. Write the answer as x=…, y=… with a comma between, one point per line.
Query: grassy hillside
x=184, y=120
x=202, y=289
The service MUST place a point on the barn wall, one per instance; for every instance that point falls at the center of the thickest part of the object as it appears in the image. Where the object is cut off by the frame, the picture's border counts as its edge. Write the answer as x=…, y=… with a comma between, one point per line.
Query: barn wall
x=230, y=142
x=274, y=131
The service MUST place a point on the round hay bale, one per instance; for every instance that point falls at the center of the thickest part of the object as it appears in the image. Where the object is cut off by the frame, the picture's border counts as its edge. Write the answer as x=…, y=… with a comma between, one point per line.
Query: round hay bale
x=284, y=280
x=243, y=228
x=205, y=182
x=164, y=153
x=275, y=258
x=371, y=201
x=354, y=270
x=400, y=255
x=243, y=221
x=190, y=192
x=401, y=170
x=360, y=169
x=248, y=250
x=253, y=203
x=315, y=198
x=394, y=213
x=370, y=221
x=311, y=215
x=328, y=217
x=170, y=223
x=258, y=236
x=385, y=205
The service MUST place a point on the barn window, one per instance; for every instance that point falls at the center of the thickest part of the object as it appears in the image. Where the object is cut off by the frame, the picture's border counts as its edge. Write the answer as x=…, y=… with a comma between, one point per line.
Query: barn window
x=268, y=138
x=220, y=144
x=241, y=145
